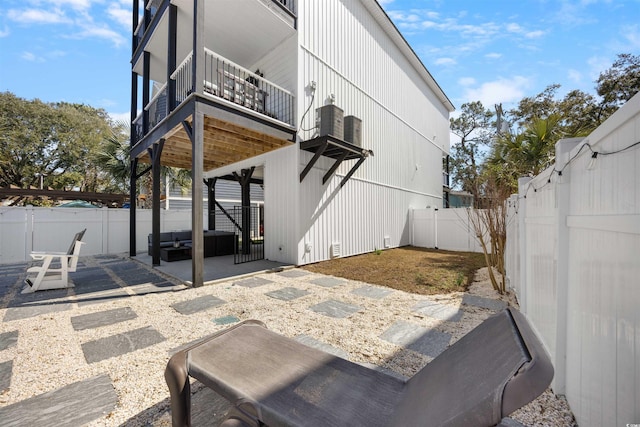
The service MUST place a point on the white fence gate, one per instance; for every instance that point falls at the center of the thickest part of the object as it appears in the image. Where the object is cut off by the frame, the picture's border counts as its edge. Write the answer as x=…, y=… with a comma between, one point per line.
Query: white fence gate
x=447, y=229
x=573, y=258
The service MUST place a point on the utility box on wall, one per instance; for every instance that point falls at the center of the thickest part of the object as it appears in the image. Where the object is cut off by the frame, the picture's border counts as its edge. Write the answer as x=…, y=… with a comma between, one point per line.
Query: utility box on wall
x=353, y=130
x=331, y=121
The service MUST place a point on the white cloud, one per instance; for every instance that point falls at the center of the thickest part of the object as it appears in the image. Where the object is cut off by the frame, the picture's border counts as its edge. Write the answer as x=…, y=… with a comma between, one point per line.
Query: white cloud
x=493, y=55
x=514, y=28
x=4, y=32
x=535, y=34
x=56, y=54
x=120, y=117
x=498, y=91
x=73, y=4
x=101, y=32
x=121, y=15
x=631, y=35
x=574, y=75
x=31, y=57
x=38, y=16
x=466, y=81
x=597, y=64
x=445, y=61
x=86, y=18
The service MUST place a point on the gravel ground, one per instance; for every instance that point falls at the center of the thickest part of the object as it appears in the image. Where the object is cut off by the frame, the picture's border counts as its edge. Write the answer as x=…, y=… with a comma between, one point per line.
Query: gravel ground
x=48, y=354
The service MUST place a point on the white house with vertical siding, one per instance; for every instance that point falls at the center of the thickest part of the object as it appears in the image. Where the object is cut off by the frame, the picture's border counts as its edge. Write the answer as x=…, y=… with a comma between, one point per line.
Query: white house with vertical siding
x=267, y=68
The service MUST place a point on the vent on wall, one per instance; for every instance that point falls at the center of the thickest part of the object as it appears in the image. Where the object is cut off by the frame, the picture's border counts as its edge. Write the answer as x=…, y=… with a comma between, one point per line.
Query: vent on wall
x=336, y=250
x=387, y=241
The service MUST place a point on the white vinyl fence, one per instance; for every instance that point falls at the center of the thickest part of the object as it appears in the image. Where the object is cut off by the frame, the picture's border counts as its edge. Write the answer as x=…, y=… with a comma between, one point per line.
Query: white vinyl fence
x=23, y=230
x=573, y=258
x=447, y=229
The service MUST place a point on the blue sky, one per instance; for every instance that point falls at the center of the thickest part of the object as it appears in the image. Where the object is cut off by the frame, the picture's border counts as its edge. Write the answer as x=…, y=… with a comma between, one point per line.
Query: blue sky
x=493, y=51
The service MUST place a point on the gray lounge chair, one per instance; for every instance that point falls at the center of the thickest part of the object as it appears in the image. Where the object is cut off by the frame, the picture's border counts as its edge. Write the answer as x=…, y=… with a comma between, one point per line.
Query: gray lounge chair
x=272, y=380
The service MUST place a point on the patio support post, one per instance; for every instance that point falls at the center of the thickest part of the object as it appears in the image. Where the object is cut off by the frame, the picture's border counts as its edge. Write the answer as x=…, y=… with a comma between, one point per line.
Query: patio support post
x=134, y=22
x=197, y=149
x=133, y=197
x=245, y=184
x=171, y=58
x=133, y=179
x=197, y=204
x=155, y=153
x=211, y=202
x=147, y=15
x=145, y=91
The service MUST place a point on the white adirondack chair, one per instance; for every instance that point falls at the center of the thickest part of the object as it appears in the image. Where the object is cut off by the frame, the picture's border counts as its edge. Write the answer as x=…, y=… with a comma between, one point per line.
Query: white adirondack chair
x=47, y=277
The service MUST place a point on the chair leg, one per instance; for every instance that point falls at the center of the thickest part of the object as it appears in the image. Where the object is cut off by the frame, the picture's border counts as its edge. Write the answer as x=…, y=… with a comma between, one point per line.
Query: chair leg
x=177, y=379
x=33, y=284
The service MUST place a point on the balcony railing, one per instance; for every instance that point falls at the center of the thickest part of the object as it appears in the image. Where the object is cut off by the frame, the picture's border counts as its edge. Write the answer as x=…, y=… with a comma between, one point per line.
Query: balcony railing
x=237, y=85
x=227, y=82
x=183, y=76
x=157, y=107
x=138, y=128
x=290, y=5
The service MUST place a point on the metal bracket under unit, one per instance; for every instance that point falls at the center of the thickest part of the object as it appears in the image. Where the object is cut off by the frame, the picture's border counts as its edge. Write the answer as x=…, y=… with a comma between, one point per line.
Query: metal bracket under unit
x=330, y=146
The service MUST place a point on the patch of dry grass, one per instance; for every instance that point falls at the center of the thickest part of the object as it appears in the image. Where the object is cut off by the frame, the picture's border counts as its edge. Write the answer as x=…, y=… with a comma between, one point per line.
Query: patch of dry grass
x=410, y=269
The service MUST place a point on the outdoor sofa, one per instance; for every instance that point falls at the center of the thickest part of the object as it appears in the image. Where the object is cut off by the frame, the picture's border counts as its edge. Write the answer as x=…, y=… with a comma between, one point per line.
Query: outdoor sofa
x=216, y=242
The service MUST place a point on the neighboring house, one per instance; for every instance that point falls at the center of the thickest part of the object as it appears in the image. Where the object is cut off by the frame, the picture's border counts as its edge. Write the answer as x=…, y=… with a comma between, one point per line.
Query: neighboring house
x=228, y=194
x=460, y=199
x=321, y=102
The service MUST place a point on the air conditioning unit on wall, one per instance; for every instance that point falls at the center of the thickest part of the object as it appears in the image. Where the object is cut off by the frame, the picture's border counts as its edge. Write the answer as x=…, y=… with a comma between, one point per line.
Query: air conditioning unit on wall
x=331, y=120
x=353, y=130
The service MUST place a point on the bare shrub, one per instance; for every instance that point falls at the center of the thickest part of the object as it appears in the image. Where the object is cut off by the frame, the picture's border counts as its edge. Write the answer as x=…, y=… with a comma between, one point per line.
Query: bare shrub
x=489, y=225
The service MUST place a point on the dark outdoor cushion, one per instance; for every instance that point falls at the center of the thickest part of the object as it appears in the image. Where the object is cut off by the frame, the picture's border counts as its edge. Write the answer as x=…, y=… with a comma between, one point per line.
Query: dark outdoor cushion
x=181, y=236
x=164, y=237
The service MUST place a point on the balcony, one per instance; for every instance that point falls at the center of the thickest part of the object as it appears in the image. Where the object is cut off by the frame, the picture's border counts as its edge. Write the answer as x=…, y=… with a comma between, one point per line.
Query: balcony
x=445, y=179
x=226, y=83
x=285, y=10
x=151, y=9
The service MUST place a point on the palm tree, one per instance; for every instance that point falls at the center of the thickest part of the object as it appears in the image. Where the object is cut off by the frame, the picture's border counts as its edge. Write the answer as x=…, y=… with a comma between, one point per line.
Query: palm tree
x=115, y=161
x=524, y=154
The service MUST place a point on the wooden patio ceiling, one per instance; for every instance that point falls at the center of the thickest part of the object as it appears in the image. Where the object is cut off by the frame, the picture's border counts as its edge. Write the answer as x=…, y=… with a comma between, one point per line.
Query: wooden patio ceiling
x=224, y=143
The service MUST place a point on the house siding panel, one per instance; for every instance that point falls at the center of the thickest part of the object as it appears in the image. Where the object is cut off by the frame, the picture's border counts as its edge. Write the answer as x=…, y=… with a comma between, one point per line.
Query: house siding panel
x=281, y=204
x=373, y=80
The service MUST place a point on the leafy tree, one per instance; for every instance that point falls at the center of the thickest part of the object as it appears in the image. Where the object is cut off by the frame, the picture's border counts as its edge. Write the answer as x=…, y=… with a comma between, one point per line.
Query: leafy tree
x=475, y=128
x=577, y=113
x=56, y=141
x=619, y=83
x=541, y=105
